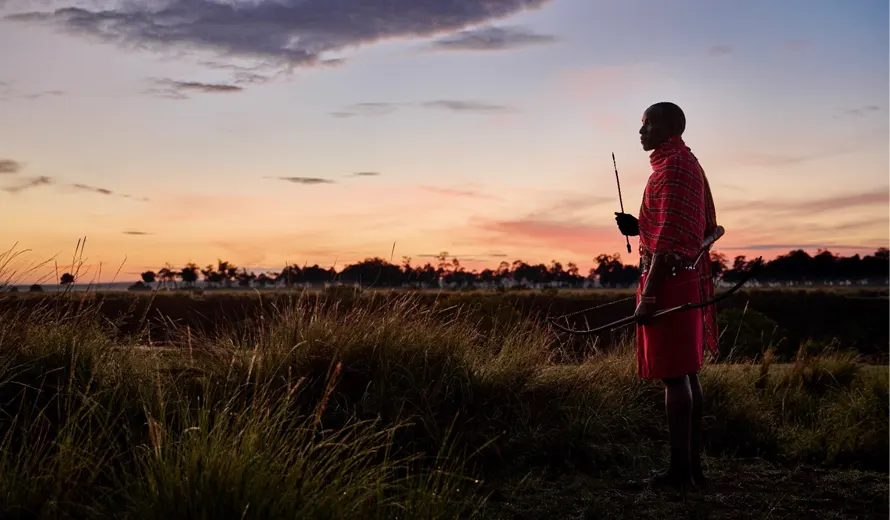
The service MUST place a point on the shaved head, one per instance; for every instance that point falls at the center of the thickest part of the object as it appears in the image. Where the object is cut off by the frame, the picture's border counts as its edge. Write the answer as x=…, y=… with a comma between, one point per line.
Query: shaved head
x=661, y=121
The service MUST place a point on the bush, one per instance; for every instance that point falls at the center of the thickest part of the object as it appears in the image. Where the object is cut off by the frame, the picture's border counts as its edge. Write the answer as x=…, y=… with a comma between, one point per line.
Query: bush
x=745, y=333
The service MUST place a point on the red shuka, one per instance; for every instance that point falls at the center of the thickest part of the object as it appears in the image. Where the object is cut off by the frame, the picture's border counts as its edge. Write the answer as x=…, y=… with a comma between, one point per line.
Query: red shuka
x=676, y=214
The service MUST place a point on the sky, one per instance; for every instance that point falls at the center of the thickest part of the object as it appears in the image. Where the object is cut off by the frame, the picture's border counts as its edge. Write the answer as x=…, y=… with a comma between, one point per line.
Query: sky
x=270, y=132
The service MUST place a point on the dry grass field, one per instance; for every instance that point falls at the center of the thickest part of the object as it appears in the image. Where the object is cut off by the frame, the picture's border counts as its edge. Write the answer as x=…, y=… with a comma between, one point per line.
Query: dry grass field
x=403, y=411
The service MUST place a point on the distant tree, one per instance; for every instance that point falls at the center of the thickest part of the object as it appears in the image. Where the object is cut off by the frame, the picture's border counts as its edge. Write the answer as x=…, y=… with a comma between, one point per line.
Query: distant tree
x=67, y=279
x=407, y=270
x=796, y=266
x=487, y=276
x=212, y=277
x=189, y=274
x=739, y=265
x=503, y=272
x=791, y=267
x=228, y=271
x=573, y=274
x=376, y=271
x=427, y=275
x=824, y=266
x=443, y=267
x=718, y=264
x=168, y=275
x=290, y=275
x=148, y=277
x=316, y=275
x=263, y=280
x=35, y=288
x=630, y=275
x=609, y=270
x=244, y=278
x=556, y=273
x=875, y=267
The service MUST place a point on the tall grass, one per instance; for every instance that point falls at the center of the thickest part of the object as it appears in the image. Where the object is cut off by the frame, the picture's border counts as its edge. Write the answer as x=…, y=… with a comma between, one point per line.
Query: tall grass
x=371, y=411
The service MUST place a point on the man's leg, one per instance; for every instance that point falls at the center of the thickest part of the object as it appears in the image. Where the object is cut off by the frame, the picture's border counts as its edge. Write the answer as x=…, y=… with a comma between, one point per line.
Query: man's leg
x=695, y=432
x=678, y=404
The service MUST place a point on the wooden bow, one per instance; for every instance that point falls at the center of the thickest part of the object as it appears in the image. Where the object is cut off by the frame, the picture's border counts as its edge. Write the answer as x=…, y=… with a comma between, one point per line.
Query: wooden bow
x=686, y=306
x=719, y=231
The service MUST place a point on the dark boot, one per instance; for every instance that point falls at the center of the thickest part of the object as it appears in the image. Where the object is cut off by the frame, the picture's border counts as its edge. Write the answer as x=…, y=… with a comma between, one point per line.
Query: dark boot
x=678, y=403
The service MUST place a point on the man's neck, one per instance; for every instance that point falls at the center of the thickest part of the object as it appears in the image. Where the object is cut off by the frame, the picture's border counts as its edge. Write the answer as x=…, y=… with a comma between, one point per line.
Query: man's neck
x=672, y=143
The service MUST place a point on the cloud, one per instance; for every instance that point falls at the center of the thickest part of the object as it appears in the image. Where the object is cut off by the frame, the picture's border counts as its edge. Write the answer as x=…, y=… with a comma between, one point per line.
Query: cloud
x=778, y=160
x=103, y=191
x=809, y=207
x=720, y=50
x=366, y=109
x=42, y=94
x=250, y=78
x=246, y=75
x=304, y=180
x=574, y=237
x=137, y=233
x=568, y=208
x=29, y=184
x=467, y=106
x=451, y=192
x=463, y=257
x=84, y=187
x=43, y=180
x=10, y=166
x=8, y=92
x=493, y=39
x=366, y=174
x=287, y=32
x=559, y=226
x=454, y=105
x=792, y=246
x=857, y=112
x=173, y=89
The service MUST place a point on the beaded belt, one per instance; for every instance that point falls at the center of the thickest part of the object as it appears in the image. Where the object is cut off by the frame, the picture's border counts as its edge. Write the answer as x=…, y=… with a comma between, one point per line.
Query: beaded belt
x=674, y=260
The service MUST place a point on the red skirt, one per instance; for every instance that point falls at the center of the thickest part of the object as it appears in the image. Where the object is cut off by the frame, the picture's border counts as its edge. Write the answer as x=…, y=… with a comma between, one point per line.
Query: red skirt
x=671, y=346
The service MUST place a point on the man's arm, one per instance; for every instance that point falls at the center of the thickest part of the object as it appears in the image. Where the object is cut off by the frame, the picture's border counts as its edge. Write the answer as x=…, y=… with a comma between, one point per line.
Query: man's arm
x=658, y=269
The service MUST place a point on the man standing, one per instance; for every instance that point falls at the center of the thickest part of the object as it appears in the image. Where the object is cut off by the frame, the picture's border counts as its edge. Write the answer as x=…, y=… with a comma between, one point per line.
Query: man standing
x=676, y=215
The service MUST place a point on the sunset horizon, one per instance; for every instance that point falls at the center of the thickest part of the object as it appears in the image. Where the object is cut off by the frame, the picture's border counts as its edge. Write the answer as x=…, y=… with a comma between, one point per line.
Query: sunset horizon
x=483, y=129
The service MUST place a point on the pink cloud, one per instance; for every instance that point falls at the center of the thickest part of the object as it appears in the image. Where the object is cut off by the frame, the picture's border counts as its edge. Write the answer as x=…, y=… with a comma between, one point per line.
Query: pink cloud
x=879, y=197
x=200, y=206
x=460, y=193
x=543, y=235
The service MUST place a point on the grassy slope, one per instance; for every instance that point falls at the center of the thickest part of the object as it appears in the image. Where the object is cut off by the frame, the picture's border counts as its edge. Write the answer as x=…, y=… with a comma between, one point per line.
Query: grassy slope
x=395, y=412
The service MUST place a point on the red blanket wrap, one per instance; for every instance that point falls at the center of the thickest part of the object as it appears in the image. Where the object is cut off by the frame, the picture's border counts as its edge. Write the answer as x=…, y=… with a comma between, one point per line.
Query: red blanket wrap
x=676, y=215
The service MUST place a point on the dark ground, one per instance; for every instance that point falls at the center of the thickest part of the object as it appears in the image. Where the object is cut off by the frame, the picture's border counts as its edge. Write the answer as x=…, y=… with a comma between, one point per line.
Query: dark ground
x=739, y=489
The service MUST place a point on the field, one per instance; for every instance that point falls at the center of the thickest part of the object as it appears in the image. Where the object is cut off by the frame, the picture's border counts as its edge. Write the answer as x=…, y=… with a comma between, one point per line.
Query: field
x=395, y=406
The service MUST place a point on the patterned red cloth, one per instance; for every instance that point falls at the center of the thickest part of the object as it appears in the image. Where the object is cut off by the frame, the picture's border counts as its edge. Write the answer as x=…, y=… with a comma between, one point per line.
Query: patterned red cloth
x=676, y=214
x=671, y=346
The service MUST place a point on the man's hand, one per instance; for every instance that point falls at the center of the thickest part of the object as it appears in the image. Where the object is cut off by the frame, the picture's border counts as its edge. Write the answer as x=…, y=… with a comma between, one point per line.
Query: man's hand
x=628, y=224
x=644, y=312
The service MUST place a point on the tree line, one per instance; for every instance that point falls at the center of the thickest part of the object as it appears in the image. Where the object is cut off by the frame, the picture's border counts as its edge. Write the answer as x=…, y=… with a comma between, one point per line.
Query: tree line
x=793, y=268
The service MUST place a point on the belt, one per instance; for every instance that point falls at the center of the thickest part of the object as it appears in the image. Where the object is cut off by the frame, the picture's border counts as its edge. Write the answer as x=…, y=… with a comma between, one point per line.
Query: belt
x=675, y=261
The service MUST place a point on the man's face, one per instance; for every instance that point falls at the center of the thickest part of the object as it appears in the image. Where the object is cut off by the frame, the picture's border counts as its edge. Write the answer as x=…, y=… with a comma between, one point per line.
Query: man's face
x=653, y=132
